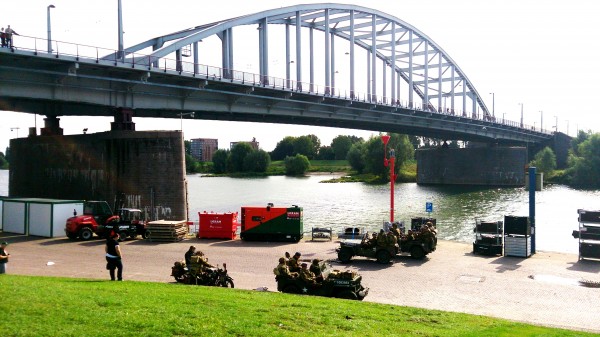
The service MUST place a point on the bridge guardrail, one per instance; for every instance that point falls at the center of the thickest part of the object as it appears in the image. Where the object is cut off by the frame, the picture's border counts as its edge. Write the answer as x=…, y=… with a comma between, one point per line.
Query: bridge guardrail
x=98, y=54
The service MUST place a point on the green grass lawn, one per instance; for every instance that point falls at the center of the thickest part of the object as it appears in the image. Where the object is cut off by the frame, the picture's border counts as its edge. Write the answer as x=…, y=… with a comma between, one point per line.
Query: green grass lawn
x=44, y=306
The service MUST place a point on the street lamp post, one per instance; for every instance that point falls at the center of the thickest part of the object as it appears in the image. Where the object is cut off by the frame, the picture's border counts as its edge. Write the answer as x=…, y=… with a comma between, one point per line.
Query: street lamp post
x=493, y=104
x=541, y=121
x=181, y=114
x=49, y=30
x=567, y=126
x=521, y=104
x=15, y=128
x=120, y=30
x=556, y=123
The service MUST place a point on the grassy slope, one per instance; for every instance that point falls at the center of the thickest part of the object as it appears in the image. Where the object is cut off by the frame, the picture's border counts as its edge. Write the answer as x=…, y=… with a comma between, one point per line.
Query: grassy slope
x=42, y=306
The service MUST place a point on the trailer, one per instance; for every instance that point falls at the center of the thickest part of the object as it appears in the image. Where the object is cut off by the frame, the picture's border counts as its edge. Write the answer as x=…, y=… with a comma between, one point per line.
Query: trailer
x=272, y=223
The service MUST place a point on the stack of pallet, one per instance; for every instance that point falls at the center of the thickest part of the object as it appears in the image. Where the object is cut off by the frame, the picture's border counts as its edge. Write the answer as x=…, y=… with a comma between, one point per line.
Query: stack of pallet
x=167, y=230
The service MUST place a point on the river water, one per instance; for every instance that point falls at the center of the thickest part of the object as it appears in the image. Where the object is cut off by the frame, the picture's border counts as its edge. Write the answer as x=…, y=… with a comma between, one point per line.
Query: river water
x=361, y=205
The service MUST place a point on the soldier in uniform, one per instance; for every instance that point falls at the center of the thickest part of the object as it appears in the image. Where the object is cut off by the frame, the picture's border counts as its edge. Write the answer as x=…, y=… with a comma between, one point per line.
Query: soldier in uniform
x=391, y=239
x=395, y=230
x=306, y=275
x=294, y=262
x=283, y=269
x=381, y=239
x=315, y=268
x=188, y=255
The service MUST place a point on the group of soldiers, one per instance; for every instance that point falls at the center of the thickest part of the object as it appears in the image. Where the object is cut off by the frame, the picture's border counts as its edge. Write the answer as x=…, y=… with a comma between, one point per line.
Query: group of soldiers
x=293, y=267
x=395, y=235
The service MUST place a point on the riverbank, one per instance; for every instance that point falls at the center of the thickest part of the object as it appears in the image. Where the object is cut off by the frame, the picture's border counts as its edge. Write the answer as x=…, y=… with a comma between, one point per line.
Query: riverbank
x=542, y=289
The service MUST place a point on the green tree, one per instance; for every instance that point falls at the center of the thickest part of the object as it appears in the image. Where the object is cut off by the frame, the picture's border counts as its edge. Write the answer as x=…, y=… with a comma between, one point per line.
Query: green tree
x=3, y=161
x=284, y=148
x=257, y=161
x=220, y=158
x=237, y=156
x=356, y=156
x=316, y=144
x=296, y=165
x=403, y=151
x=191, y=164
x=341, y=145
x=326, y=153
x=187, y=145
x=545, y=160
x=586, y=167
x=304, y=145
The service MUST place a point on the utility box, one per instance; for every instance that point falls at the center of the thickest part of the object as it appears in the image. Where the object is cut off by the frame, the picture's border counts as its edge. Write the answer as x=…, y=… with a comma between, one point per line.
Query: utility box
x=217, y=225
x=39, y=217
x=517, y=236
x=272, y=223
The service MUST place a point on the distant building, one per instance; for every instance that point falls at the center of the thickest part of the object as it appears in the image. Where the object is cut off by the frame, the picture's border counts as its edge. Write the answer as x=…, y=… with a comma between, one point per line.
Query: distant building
x=252, y=143
x=203, y=149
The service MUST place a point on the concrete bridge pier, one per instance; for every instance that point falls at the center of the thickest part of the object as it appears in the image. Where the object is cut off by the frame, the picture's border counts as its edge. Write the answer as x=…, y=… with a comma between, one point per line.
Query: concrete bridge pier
x=127, y=168
x=484, y=166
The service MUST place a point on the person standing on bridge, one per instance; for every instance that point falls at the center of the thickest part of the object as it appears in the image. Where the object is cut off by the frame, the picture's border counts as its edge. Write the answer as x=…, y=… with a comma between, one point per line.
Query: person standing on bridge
x=8, y=36
x=3, y=37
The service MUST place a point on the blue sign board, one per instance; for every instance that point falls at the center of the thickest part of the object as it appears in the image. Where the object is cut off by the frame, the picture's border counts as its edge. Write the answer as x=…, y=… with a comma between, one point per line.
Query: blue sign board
x=429, y=207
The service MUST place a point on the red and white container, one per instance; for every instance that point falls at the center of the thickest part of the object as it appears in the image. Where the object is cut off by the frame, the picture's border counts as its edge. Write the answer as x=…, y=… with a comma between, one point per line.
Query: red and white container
x=218, y=225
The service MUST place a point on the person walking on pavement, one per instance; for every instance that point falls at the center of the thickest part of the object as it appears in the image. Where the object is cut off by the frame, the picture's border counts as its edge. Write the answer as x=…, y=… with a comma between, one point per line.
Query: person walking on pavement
x=3, y=257
x=114, y=256
x=3, y=37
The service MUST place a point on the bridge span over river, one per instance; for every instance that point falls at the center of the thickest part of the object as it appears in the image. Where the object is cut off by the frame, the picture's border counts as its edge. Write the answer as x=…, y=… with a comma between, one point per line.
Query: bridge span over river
x=396, y=79
x=391, y=77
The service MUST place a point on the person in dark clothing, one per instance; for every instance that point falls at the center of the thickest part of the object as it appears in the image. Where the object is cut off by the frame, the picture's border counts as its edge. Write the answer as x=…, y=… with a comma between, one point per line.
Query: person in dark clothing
x=114, y=256
x=3, y=257
x=188, y=255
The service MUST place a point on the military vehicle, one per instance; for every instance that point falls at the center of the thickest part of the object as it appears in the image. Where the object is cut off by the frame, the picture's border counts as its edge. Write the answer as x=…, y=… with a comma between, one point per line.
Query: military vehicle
x=418, y=246
x=216, y=277
x=334, y=283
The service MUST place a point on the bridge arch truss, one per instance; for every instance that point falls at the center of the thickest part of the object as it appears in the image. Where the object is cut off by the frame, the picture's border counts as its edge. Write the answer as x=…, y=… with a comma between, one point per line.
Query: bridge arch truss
x=386, y=60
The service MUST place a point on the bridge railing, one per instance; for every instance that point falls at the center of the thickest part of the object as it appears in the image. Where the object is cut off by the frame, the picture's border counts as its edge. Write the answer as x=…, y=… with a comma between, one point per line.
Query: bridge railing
x=99, y=54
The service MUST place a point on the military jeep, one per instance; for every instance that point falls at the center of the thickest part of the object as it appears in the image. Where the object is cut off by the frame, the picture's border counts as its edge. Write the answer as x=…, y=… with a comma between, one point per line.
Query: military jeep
x=417, y=247
x=333, y=283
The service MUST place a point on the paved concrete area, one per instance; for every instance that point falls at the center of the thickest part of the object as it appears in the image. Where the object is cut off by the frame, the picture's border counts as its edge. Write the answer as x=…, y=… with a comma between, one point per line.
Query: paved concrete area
x=543, y=289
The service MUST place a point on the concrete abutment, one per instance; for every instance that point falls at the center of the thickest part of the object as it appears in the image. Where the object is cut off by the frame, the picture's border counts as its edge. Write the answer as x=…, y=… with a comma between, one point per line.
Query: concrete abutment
x=138, y=169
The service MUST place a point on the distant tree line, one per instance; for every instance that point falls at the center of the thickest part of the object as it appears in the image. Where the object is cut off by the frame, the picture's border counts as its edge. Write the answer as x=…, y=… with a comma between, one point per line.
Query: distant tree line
x=4, y=159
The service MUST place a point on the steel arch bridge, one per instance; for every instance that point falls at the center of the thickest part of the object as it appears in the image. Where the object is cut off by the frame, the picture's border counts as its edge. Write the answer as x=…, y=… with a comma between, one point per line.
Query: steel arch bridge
x=395, y=53
x=392, y=78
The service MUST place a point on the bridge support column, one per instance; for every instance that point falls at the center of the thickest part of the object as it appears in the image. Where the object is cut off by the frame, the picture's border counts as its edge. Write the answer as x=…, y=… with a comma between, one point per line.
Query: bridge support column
x=145, y=169
x=51, y=127
x=485, y=166
x=123, y=120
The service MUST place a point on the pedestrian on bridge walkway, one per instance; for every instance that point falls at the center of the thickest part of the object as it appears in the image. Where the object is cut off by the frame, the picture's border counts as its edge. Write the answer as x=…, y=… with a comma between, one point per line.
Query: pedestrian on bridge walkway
x=8, y=36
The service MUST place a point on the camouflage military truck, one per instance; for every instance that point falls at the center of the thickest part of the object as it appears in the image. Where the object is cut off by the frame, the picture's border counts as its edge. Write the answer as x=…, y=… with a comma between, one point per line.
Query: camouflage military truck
x=418, y=246
x=332, y=283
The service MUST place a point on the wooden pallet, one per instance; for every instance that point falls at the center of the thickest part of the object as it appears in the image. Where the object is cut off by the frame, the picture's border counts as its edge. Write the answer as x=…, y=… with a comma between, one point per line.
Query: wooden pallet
x=167, y=231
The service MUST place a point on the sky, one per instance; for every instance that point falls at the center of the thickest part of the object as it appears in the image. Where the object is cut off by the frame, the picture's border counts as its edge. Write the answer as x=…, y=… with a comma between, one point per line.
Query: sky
x=541, y=53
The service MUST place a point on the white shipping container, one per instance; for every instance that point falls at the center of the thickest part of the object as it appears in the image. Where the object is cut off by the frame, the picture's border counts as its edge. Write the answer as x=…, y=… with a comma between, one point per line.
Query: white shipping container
x=39, y=217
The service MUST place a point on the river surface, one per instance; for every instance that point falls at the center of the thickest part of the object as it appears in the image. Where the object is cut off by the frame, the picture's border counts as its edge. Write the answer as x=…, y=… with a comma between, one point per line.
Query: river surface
x=361, y=205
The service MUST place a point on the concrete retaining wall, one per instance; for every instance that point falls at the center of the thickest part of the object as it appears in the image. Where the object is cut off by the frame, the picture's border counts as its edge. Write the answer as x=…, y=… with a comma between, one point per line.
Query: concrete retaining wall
x=491, y=166
x=139, y=169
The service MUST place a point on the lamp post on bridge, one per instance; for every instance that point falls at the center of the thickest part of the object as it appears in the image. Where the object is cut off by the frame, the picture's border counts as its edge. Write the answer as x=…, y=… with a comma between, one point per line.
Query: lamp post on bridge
x=181, y=114
x=567, y=126
x=49, y=30
x=541, y=121
x=521, y=104
x=493, y=104
x=15, y=128
x=556, y=123
x=120, y=30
